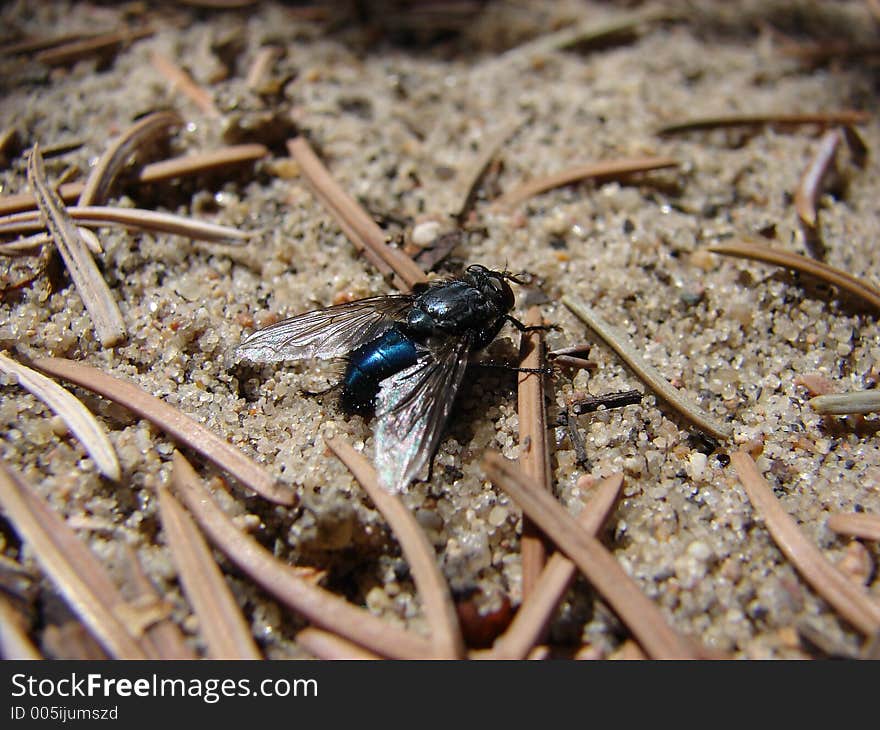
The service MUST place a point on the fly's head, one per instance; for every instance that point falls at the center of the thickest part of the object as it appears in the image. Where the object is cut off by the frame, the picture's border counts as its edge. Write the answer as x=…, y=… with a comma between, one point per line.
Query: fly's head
x=493, y=285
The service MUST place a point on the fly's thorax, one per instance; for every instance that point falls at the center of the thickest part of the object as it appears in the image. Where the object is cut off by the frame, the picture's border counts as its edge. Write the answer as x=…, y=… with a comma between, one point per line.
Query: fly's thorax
x=455, y=308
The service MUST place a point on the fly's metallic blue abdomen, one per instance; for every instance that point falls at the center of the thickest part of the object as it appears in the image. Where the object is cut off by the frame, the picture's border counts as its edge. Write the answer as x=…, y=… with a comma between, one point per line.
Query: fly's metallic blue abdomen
x=371, y=363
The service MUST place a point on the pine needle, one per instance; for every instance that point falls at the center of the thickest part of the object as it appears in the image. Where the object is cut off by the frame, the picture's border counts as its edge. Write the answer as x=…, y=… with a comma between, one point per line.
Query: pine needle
x=354, y=221
x=163, y=634
x=326, y=645
x=201, y=162
x=758, y=252
x=181, y=81
x=97, y=216
x=850, y=600
x=469, y=180
x=599, y=566
x=70, y=565
x=863, y=526
x=419, y=553
x=844, y=404
x=170, y=169
x=760, y=120
x=91, y=286
x=620, y=343
x=806, y=197
x=77, y=49
x=120, y=151
x=79, y=419
x=604, y=170
x=319, y=606
x=14, y=640
x=533, y=616
x=534, y=456
x=222, y=626
x=174, y=422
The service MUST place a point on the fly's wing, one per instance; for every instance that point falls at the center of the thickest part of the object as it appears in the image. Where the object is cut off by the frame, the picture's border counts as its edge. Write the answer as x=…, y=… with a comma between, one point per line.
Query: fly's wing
x=324, y=333
x=411, y=412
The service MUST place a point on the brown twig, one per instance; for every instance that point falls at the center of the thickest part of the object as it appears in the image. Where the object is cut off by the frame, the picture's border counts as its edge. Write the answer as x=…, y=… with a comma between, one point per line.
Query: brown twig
x=850, y=600
x=864, y=526
x=17, y=202
x=534, y=457
x=76, y=573
x=14, y=641
x=828, y=50
x=96, y=295
x=533, y=616
x=201, y=162
x=578, y=363
x=806, y=197
x=31, y=245
x=9, y=141
x=845, y=404
x=261, y=67
x=221, y=624
x=30, y=45
x=607, y=169
x=470, y=178
x=319, y=606
x=582, y=34
x=807, y=193
x=75, y=50
x=438, y=604
x=326, y=645
x=119, y=152
x=174, y=422
x=76, y=416
x=592, y=403
x=759, y=252
x=71, y=640
x=357, y=225
x=634, y=608
x=165, y=637
x=825, y=119
x=183, y=82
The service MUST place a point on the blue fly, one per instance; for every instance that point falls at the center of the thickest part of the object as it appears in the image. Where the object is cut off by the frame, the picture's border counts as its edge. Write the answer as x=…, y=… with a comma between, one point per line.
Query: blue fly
x=406, y=356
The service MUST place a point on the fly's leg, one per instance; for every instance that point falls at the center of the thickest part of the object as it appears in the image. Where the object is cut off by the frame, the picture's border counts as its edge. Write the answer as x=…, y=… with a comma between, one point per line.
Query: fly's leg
x=315, y=393
x=529, y=328
x=547, y=370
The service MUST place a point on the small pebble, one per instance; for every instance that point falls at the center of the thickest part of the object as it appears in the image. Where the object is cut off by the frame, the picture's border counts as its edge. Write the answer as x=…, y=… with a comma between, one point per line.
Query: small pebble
x=425, y=233
x=58, y=426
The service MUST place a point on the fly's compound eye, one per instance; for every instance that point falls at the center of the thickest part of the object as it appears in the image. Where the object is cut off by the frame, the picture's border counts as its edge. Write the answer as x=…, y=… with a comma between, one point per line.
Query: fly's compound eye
x=503, y=289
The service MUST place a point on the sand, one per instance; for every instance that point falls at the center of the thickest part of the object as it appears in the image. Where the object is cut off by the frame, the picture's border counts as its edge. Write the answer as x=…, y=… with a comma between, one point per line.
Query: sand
x=398, y=116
